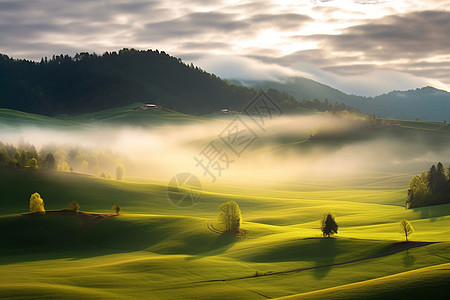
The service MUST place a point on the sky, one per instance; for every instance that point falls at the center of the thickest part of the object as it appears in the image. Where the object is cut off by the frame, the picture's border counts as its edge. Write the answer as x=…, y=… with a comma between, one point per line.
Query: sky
x=363, y=47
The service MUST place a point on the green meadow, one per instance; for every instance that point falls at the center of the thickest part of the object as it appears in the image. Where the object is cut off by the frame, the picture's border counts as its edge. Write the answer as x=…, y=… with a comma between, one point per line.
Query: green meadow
x=156, y=250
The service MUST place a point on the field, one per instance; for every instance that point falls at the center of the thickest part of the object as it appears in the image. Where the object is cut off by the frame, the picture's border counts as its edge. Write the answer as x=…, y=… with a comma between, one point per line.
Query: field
x=156, y=250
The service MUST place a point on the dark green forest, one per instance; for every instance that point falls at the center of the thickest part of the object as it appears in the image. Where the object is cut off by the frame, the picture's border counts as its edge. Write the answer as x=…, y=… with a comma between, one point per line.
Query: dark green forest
x=87, y=82
x=430, y=188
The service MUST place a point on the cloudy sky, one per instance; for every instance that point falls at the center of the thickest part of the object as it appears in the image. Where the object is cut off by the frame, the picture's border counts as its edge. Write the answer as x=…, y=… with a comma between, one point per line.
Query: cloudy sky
x=364, y=47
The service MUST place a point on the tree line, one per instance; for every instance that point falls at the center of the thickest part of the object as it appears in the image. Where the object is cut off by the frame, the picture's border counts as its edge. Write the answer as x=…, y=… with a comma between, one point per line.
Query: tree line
x=429, y=188
x=62, y=158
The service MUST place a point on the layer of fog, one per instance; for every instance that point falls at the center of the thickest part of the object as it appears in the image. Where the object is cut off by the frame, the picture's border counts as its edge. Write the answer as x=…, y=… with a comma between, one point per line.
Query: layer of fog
x=280, y=153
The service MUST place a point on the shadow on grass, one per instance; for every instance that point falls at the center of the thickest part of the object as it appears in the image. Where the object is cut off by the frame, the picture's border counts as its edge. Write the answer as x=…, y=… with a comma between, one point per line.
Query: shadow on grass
x=408, y=259
x=329, y=247
x=433, y=213
x=221, y=244
x=27, y=238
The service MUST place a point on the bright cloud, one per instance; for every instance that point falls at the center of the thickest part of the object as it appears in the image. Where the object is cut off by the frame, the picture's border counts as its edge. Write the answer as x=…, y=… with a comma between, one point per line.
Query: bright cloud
x=342, y=41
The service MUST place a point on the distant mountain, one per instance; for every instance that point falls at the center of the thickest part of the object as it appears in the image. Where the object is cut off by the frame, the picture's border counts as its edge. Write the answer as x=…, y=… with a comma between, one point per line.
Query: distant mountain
x=425, y=103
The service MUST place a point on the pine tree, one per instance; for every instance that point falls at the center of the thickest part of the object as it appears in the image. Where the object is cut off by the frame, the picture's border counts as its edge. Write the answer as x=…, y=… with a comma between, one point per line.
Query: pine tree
x=329, y=225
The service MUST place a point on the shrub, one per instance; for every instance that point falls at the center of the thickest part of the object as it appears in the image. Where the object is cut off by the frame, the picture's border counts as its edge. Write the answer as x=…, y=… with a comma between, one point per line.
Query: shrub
x=74, y=206
x=116, y=208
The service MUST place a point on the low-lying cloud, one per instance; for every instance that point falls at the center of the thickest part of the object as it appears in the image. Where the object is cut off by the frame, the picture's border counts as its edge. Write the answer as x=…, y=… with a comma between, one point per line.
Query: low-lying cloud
x=283, y=153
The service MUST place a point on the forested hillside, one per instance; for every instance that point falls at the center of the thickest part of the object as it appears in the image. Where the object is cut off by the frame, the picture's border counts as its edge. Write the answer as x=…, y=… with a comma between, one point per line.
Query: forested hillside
x=425, y=103
x=89, y=82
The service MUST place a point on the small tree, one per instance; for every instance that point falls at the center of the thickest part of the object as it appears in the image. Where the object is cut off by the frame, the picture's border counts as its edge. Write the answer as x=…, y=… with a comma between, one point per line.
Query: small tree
x=74, y=206
x=120, y=171
x=33, y=163
x=85, y=166
x=49, y=161
x=329, y=225
x=230, y=217
x=36, y=204
x=64, y=167
x=116, y=208
x=406, y=228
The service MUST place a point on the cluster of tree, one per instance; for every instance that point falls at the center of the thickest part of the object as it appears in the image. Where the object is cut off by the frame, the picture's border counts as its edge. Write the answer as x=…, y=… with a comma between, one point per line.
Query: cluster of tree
x=328, y=106
x=429, y=188
x=90, y=82
x=66, y=159
x=374, y=122
x=25, y=155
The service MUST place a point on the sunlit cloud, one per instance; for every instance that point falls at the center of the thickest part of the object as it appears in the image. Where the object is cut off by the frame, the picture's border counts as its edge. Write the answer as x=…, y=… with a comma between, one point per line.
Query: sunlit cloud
x=339, y=38
x=235, y=67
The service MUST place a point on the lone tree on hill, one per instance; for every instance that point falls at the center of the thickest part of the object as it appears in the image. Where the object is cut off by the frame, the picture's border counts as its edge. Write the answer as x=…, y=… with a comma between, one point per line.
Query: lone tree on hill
x=116, y=208
x=36, y=204
x=74, y=206
x=329, y=225
x=230, y=217
x=406, y=228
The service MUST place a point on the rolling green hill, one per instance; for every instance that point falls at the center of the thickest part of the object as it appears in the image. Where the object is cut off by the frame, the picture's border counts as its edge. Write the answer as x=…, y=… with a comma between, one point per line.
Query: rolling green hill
x=157, y=250
x=418, y=284
x=13, y=119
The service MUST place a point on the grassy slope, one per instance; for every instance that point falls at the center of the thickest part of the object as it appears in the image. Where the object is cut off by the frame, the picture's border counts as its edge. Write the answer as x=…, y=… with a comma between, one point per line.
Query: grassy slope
x=126, y=115
x=10, y=119
x=158, y=250
x=416, y=284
